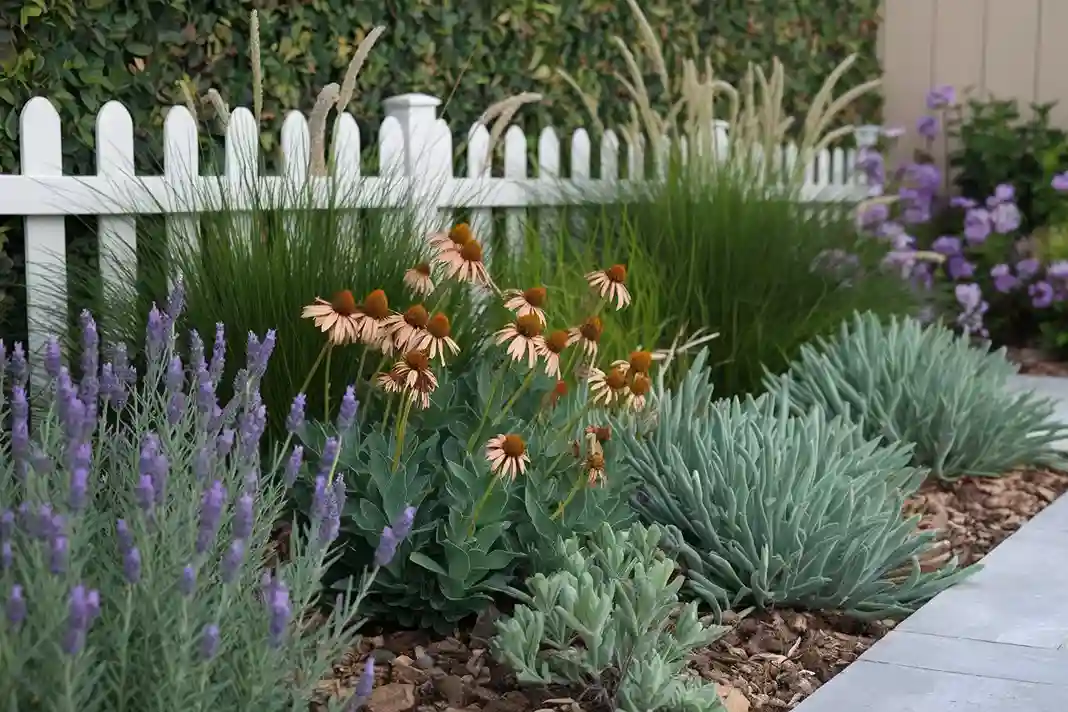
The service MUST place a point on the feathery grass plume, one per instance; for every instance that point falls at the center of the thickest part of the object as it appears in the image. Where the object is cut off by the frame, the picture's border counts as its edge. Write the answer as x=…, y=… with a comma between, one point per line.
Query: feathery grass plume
x=348, y=84
x=185, y=86
x=317, y=128
x=501, y=115
x=257, y=65
x=222, y=109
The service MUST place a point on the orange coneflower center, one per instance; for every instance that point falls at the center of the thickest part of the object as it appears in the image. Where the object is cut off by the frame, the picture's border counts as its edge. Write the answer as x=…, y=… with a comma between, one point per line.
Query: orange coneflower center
x=640, y=385
x=417, y=316
x=595, y=461
x=603, y=432
x=438, y=326
x=529, y=325
x=616, y=379
x=461, y=234
x=417, y=360
x=422, y=268
x=617, y=273
x=376, y=305
x=591, y=329
x=344, y=303
x=535, y=296
x=471, y=251
x=640, y=361
x=513, y=446
x=556, y=341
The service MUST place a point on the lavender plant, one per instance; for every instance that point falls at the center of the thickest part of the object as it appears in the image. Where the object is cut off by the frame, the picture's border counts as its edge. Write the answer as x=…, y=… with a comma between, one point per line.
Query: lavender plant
x=923, y=386
x=611, y=621
x=137, y=568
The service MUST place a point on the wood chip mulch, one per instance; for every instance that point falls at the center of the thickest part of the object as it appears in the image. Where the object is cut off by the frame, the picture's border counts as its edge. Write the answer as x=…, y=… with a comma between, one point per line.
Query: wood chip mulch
x=1035, y=362
x=769, y=661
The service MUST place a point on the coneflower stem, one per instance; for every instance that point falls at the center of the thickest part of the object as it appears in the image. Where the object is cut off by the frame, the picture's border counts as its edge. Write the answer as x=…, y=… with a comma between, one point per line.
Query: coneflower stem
x=389, y=411
x=402, y=423
x=570, y=496
x=326, y=386
x=485, y=409
x=481, y=503
x=515, y=396
x=329, y=345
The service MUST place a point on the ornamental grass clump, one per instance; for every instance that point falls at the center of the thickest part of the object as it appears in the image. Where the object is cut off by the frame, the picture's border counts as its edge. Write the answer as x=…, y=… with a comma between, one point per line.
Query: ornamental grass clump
x=137, y=567
x=503, y=454
x=924, y=386
x=610, y=620
x=766, y=508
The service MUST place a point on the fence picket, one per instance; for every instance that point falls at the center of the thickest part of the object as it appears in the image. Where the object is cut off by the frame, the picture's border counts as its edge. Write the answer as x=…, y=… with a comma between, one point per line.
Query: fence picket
x=515, y=167
x=181, y=173
x=116, y=234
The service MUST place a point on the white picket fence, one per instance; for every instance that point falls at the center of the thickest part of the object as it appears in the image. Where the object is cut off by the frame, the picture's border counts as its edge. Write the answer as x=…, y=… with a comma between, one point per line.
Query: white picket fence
x=415, y=150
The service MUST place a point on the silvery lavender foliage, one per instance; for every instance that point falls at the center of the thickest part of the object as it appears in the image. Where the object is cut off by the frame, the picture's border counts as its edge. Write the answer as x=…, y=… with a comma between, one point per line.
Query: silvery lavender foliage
x=925, y=386
x=135, y=514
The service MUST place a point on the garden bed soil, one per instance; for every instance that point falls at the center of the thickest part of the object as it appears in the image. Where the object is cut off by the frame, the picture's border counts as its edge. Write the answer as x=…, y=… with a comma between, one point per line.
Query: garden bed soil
x=769, y=661
x=1035, y=362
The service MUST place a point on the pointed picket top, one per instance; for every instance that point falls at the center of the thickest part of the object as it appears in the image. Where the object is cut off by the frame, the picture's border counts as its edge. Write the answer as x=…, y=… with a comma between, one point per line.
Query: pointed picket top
x=390, y=147
x=296, y=148
x=478, y=158
x=580, y=154
x=609, y=156
x=40, y=139
x=346, y=145
x=548, y=154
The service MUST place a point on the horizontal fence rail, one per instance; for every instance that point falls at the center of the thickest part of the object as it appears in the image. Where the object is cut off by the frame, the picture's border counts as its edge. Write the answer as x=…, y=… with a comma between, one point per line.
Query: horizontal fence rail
x=415, y=163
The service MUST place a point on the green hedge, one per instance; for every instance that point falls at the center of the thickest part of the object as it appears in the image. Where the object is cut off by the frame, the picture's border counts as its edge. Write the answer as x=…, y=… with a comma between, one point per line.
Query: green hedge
x=81, y=53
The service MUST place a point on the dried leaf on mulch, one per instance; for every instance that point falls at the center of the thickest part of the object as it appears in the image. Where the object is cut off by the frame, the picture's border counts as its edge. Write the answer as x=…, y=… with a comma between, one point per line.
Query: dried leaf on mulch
x=768, y=661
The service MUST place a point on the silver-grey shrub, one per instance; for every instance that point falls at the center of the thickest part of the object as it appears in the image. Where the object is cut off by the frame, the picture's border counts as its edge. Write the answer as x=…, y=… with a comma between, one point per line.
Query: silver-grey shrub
x=610, y=620
x=907, y=382
x=766, y=508
x=135, y=526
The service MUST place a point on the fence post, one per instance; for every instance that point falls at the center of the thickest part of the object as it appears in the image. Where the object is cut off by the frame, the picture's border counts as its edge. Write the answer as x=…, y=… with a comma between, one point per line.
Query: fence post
x=427, y=156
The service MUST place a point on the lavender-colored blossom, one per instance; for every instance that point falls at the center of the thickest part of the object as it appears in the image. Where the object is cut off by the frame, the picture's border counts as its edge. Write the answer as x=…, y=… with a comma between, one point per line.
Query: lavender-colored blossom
x=155, y=335
x=46, y=524
x=231, y=563
x=251, y=479
x=1058, y=270
x=111, y=388
x=328, y=460
x=959, y=268
x=83, y=606
x=1004, y=193
x=197, y=361
x=872, y=215
x=20, y=428
x=259, y=353
x=15, y=607
x=209, y=641
x=279, y=613
x=243, y=516
x=295, y=420
x=176, y=301
x=947, y=245
x=90, y=358
x=387, y=547
x=959, y=201
x=204, y=462
x=872, y=164
x=346, y=416
x=131, y=565
x=175, y=377
x=224, y=444
x=188, y=581
x=207, y=401
x=293, y=465
x=59, y=552
x=18, y=367
x=125, y=537
x=1005, y=218
x=927, y=126
x=1041, y=294
x=79, y=488
x=154, y=464
x=925, y=178
x=176, y=408
x=402, y=525
x=320, y=500
x=977, y=225
x=252, y=425
x=1027, y=268
x=973, y=307
x=1004, y=280
x=7, y=524
x=146, y=494
x=53, y=359
x=940, y=97
x=365, y=685
x=7, y=556
x=1059, y=184
x=211, y=507
x=922, y=276
x=218, y=354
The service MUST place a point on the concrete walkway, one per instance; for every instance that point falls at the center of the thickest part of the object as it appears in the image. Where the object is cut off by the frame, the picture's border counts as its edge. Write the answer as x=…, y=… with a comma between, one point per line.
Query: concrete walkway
x=998, y=642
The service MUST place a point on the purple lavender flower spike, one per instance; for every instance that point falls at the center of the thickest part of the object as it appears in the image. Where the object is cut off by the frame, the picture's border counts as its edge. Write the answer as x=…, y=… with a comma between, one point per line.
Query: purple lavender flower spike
x=295, y=420
x=90, y=344
x=82, y=608
x=109, y=384
x=960, y=268
x=973, y=307
x=18, y=367
x=1027, y=268
x=279, y=613
x=243, y=516
x=871, y=163
x=1004, y=193
x=329, y=457
x=204, y=462
x=252, y=426
x=7, y=524
x=258, y=366
x=387, y=547
x=1004, y=280
x=330, y=525
x=231, y=563
x=927, y=127
x=7, y=556
x=53, y=359
x=346, y=416
x=146, y=494
x=366, y=681
x=209, y=641
x=940, y=97
x=1005, y=218
x=320, y=500
x=155, y=335
x=947, y=245
x=59, y=552
x=218, y=354
x=176, y=409
x=340, y=492
x=176, y=301
x=211, y=507
x=125, y=537
x=402, y=525
x=175, y=378
x=131, y=565
x=207, y=401
x=1059, y=184
x=15, y=607
x=1041, y=294
x=197, y=363
x=154, y=465
x=224, y=444
x=188, y=581
x=79, y=488
x=20, y=430
x=296, y=459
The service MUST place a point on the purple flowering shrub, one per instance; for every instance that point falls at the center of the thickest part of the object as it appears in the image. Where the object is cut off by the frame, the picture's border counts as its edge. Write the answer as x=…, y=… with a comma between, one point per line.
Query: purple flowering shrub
x=135, y=551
